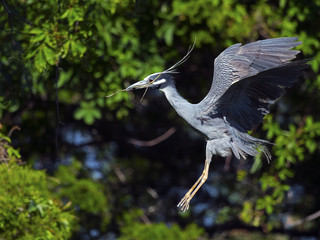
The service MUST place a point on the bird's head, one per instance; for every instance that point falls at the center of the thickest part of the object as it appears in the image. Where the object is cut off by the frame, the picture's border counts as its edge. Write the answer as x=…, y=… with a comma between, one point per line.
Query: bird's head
x=155, y=80
x=160, y=80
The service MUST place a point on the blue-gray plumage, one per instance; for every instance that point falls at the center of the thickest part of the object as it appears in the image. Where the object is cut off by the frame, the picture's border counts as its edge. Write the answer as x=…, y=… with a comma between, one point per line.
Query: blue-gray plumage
x=247, y=79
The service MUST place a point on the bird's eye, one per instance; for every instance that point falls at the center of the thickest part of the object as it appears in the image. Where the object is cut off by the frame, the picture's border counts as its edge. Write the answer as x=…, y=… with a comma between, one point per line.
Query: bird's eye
x=150, y=80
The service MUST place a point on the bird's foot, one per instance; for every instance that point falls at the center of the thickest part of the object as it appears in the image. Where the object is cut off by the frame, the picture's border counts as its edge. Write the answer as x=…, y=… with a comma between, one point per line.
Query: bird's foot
x=183, y=205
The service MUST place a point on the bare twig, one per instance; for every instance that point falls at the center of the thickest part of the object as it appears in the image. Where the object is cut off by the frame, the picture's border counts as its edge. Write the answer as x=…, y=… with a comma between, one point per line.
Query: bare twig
x=145, y=219
x=12, y=129
x=152, y=193
x=122, y=90
x=119, y=174
x=155, y=141
x=309, y=218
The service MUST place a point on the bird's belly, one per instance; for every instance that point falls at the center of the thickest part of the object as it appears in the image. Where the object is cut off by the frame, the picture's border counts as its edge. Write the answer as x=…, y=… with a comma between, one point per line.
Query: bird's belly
x=213, y=129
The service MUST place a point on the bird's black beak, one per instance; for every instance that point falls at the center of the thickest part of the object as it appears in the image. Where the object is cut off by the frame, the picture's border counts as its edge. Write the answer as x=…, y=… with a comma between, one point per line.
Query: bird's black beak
x=138, y=85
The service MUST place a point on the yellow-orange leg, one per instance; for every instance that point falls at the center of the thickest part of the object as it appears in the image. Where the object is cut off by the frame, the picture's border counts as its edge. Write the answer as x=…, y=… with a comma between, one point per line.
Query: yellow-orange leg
x=185, y=201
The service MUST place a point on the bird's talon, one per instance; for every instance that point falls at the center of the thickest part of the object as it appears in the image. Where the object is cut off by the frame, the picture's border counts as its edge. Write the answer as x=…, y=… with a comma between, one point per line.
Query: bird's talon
x=182, y=202
x=183, y=205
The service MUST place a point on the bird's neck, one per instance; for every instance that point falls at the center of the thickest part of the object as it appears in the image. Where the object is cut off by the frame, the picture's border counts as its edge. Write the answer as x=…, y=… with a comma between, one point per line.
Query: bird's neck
x=182, y=106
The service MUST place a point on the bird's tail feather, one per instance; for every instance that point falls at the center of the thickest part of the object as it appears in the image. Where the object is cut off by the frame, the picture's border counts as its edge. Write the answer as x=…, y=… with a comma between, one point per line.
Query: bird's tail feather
x=244, y=145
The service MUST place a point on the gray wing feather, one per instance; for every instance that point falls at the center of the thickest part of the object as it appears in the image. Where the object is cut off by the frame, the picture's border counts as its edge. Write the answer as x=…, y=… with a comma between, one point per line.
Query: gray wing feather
x=238, y=62
x=246, y=102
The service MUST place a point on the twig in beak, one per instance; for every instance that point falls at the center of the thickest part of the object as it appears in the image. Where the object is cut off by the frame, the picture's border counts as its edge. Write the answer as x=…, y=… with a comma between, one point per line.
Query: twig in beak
x=122, y=90
x=145, y=91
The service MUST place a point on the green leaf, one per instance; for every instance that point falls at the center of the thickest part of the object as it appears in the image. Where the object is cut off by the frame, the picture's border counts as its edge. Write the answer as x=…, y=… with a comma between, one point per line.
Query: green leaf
x=38, y=37
x=282, y=3
x=87, y=112
x=64, y=77
x=40, y=61
x=49, y=54
x=77, y=48
x=65, y=49
x=257, y=164
x=168, y=34
x=13, y=152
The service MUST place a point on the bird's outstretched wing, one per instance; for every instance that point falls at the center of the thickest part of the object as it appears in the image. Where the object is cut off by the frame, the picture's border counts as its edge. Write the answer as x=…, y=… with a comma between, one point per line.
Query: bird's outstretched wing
x=246, y=102
x=241, y=61
x=248, y=78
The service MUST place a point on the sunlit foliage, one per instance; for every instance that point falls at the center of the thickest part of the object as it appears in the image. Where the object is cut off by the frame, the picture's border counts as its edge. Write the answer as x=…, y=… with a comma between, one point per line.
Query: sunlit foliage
x=27, y=210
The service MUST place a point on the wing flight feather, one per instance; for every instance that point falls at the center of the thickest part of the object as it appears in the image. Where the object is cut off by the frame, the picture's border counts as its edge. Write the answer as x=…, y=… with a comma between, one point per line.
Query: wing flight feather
x=241, y=61
x=248, y=78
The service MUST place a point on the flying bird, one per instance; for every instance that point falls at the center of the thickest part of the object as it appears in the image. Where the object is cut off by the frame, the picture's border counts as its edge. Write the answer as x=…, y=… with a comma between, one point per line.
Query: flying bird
x=247, y=79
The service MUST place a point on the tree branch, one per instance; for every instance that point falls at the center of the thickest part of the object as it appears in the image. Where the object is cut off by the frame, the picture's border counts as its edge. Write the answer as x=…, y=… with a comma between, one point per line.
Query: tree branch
x=155, y=141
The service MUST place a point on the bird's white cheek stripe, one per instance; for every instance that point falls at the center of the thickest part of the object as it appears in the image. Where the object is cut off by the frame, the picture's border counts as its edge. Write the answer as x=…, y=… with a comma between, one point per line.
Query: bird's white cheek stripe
x=159, y=81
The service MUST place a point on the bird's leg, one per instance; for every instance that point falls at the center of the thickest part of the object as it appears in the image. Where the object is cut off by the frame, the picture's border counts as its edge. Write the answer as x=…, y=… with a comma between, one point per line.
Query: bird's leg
x=184, y=203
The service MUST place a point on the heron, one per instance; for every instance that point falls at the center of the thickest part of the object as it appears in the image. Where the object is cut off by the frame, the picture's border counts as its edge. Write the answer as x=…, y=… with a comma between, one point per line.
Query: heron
x=247, y=79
